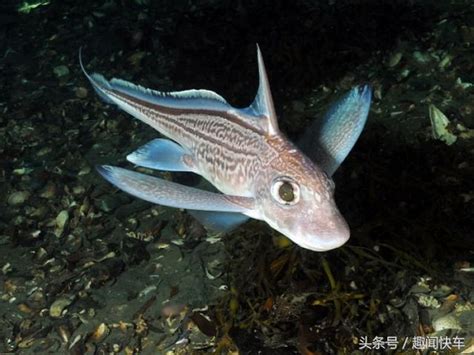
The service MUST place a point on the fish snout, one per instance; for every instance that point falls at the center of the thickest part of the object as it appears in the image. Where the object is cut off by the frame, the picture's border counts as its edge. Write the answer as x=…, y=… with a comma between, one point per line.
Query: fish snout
x=329, y=234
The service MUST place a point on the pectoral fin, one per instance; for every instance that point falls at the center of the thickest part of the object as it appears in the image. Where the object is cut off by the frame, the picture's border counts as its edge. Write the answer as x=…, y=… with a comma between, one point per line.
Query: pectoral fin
x=167, y=193
x=219, y=221
x=162, y=154
x=328, y=141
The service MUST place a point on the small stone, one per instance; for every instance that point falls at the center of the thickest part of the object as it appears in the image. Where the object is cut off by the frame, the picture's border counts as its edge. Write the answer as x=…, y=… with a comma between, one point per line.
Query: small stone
x=136, y=58
x=78, y=190
x=64, y=333
x=422, y=58
x=463, y=85
x=420, y=288
x=84, y=170
x=442, y=291
x=439, y=126
x=446, y=322
x=428, y=301
x=37, y=297
x=22, y=171
x=81, y=92
x=22, y=307
x=49, y=191
x=39, y=212
x=27, y=343
x=100, y=332
x=61, y=221
x=446, y=61
x=16, y=221
x=98, y=14
x=41, y=254
x=61, y=71
x=44, y=151
x=18, y=198
x=395, y=59
x=6, y=268
x=404, y=74
x=58, y=306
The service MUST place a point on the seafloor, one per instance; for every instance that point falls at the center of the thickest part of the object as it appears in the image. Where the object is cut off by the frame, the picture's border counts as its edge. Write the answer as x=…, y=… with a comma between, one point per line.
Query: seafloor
x=87, y=269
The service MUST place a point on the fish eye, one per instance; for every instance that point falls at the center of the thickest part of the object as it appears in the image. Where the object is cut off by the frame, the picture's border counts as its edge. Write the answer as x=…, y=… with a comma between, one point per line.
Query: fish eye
x=285, y=191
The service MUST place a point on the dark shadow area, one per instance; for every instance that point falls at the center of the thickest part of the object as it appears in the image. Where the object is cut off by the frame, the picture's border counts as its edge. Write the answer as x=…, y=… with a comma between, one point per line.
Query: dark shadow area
x=212, y=44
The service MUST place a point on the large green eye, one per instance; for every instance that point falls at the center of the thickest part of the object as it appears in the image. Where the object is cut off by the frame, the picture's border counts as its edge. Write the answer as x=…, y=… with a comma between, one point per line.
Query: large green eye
x=285, y=191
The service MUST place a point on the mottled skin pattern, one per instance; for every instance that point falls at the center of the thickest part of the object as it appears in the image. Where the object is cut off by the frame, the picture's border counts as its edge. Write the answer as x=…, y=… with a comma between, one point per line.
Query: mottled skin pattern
x=222, y=147
x=229, y=155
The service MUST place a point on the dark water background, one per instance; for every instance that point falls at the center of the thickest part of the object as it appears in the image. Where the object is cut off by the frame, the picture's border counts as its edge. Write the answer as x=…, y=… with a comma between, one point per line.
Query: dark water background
x=86, y=268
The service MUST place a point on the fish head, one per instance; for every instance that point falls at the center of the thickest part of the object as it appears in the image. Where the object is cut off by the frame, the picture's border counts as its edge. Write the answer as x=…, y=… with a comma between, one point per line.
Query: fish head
x=297, y=199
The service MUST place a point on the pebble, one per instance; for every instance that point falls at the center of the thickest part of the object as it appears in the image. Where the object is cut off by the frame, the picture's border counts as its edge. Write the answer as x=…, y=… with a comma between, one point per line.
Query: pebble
x=428, y=301
x=49, y=191
x=100, y=332
x=61, y=221
x=22, y=171
x=439, y=126
x=422, y=58
x=39, y=212
x=84, y=170
x=61, y=71
x=395, y=59
x=81, y=92
x=18, y=198
x=44, y=151
x=446, y=61
x=78, y=190
x=446, y=322
x=58, y=306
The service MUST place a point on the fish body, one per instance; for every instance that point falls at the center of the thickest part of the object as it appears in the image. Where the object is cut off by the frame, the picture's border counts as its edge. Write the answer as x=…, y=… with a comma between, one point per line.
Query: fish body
x=259, y=172
x=219, y=146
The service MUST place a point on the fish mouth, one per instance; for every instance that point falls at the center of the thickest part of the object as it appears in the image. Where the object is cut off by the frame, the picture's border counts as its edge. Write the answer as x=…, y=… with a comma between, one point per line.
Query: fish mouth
x=322, y=238
x=328, y=242
x=325, y=239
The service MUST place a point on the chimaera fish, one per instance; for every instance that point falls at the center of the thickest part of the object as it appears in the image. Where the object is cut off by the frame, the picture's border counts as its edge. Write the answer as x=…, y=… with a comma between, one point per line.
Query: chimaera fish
x=260, y=173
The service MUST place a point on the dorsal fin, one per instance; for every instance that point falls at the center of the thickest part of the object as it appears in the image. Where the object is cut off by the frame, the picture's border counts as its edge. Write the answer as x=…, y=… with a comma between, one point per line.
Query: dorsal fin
x=263, y=103
x=260, y=115
x=196, y=99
